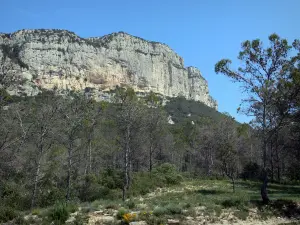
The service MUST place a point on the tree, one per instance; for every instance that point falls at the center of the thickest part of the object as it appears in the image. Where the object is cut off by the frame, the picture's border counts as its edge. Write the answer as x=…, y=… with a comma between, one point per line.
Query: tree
x=72, y=117
x=41, y=121
x=263, y=70
x=226, y=147
x=155, y=124
x=128, y=118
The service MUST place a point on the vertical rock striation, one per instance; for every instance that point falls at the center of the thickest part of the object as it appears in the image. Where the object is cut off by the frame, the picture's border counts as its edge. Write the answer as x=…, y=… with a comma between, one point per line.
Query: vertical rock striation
x=60, y=59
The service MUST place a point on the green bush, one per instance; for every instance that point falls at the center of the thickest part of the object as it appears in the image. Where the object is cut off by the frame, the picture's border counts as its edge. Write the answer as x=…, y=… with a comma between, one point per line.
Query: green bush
x=7, y=213
x=49, y=195
x=111, y=179
x=121, y=212
x=59, y=213
x=14, y=196
x=130, y=204
x=91, y=189
x=228, y=203
x=168, y=174
x=160, y=211
x=173, y=209
x=143, y=183
x=251, y=171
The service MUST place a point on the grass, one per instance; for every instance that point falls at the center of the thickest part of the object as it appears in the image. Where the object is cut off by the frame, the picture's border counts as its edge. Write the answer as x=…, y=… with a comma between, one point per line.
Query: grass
x=207, y=199
x=212, y=197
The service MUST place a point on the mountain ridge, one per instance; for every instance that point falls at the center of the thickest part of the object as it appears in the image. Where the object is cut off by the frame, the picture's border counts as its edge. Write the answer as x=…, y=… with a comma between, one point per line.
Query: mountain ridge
x=57, y=58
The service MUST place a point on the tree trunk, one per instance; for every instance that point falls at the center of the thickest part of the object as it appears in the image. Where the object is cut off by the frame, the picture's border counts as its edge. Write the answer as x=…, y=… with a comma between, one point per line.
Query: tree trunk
x=233, y=184
x=69, y=173
x=263, y=191
x=150, y=159
x=126, y=164
x=36, y=179
x=90, y=155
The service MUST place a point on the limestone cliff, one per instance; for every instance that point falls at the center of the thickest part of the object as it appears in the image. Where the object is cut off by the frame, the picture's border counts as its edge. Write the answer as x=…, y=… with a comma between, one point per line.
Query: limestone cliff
x=61, y=59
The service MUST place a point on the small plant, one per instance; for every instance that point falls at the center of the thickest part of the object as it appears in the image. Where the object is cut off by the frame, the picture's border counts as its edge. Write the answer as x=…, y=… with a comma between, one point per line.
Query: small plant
x=129, y=217
x=59, y=213
x=241, y=214
x=159, y=211
x=173, y=209
x=121, y=212
x=130, y=204
x=36, y=212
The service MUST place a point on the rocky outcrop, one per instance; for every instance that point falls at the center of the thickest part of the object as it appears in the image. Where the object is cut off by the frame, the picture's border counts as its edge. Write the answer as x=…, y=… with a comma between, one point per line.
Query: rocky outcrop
x=60, y=59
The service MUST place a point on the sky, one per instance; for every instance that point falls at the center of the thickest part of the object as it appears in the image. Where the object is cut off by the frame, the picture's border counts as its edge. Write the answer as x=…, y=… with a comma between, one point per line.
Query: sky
x=201, y=31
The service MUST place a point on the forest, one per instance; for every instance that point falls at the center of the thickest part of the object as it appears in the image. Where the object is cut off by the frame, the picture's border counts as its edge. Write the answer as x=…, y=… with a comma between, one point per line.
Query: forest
x=61, y=150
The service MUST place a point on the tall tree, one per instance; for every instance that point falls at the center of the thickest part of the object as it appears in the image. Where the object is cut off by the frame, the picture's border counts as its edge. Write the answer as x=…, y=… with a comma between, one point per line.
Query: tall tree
x=128, y=118
x=261, y=72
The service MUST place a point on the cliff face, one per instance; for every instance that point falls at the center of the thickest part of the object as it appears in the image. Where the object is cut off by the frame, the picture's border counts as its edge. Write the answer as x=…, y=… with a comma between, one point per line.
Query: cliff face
x=61, y=59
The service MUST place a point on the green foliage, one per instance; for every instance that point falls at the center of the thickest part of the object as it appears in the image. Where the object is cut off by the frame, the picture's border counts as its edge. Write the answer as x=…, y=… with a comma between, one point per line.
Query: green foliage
x=241, y=214
x=7, y=213
x=251, y=171
x=59, y=213
x=5, y=98
x=92, y=187
x=173, y=209
x=228, y=203
x=160, y=211
x=170, y=209
x=14, y=196
x=179, y=108
x=13, y=53
x=143, y=183
x=121, y=212
x=130, y=204
x=111, y=178
x=167, y=174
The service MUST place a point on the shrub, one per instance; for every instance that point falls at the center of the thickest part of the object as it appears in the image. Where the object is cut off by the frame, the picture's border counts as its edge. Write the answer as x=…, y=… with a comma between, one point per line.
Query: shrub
x=121, y=212
x=159, y=211
x=7, y=213
x=91, y=189
x=173, y=209
x=130, y=204
x=143, y=183
x=231, y=203
x=111, y=179
x=59, y=213
x=168, y=174
x=251, y=171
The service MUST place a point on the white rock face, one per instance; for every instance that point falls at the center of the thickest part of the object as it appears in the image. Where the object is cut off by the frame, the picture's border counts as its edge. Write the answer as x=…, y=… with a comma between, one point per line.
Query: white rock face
x=61, y=59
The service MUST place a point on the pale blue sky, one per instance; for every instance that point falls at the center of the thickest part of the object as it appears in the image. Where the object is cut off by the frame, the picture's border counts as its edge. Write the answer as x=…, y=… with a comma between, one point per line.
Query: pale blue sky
x=201, y=31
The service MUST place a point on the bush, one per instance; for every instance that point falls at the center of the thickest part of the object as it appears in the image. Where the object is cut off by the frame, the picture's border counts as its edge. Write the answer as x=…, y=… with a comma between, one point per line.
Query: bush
x=14, y=196
x=91, y=189
x=59, y=213
x=160, y=211
x=143, y=183
x=251, y=171
x=121, y=212
x=111, y=179
x=231, y=203
x=173, y=209
x=293, y=171
x=168, y=174
x=130, y=204
x=7, y=213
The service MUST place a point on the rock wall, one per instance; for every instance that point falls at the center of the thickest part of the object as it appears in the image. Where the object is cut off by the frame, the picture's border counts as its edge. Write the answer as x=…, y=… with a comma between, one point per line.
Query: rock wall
x=61, y=59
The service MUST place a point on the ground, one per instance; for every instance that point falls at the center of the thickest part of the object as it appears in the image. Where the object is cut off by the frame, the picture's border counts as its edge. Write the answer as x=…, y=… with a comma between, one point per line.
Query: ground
x=199, y=202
